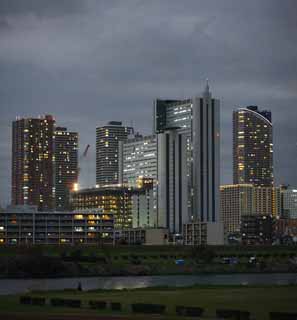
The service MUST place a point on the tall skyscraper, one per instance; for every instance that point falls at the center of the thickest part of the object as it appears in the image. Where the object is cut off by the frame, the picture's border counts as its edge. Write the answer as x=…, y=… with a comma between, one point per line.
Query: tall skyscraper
x=188, y=133
x=66, y=166
x=107, y=151
x=33, y=162
x=252, y=147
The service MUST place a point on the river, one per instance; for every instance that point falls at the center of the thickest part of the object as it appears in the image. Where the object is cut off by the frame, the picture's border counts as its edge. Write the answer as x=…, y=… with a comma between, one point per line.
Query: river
x=16, y=286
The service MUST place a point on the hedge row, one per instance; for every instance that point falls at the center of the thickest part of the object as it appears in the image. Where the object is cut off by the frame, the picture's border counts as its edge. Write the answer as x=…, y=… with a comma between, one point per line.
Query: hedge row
x=148, y=308
x=189, y=311
x=70, y=303
x=282, y=316
x=152, y=308
x=232, y=314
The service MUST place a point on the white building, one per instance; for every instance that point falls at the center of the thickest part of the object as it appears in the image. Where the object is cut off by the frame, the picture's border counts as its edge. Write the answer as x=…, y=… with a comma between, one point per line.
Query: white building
x=137, y=159
x=188, y=134
x=289, y=203
x=138, y=169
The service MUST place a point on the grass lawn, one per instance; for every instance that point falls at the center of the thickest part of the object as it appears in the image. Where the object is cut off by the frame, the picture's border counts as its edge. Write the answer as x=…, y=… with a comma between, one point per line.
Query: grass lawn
x=258, y=300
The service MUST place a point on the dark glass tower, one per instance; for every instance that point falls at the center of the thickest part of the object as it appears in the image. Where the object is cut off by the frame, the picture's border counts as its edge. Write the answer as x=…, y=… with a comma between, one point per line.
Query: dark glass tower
x=107, y=151
x=252, y=147
x=66, y=166
x=33, y=162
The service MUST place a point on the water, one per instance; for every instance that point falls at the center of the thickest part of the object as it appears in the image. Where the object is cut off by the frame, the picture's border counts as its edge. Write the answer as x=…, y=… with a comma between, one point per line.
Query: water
x=16, y=286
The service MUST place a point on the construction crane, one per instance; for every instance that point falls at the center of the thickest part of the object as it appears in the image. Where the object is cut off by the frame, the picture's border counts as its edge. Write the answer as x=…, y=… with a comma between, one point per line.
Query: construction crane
x=82, y=156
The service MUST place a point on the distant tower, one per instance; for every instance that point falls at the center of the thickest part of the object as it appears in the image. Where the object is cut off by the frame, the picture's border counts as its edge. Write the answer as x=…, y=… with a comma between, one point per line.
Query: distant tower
x=33, y=162
x=188, y=133
x=107, y=151
x=66, y=166
x=252, y=147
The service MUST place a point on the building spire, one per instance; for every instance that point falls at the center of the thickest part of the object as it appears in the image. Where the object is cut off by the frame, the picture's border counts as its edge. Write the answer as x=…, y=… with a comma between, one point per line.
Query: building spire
x=207, y=85
x=206, y=90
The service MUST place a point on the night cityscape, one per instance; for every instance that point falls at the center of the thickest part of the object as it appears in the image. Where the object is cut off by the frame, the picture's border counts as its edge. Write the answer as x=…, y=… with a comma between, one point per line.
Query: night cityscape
x=148, y=159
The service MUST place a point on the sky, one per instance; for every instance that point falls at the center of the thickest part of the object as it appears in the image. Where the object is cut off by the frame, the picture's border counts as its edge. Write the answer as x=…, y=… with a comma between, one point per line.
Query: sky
x=89, y=61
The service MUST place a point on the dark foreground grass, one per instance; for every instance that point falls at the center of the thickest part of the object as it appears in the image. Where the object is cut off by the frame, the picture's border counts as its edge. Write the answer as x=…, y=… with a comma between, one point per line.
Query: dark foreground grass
x=258, y=300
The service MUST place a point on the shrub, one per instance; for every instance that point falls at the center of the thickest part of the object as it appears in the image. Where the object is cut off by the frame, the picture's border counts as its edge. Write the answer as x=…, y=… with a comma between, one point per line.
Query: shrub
x=148, y=308
x=97, y=304
x=189, y=311
x=202, y=254
x=115, y=306
x=233, y=314
x=38, y=301
x=25, y=300
x=57, y=302
x=72, y=303
x=282, y=316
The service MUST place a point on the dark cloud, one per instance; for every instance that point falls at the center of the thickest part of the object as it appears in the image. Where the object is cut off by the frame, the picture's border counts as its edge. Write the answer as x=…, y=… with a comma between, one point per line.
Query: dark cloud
x=90, y=61
x=41, y=8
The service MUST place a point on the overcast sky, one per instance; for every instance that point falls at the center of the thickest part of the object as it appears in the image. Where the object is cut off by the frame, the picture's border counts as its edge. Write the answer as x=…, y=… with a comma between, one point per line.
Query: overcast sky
x=87, y=62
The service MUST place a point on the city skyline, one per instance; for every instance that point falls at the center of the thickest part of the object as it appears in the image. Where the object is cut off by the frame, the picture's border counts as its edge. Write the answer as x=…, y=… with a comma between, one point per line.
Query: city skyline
x=66, y=78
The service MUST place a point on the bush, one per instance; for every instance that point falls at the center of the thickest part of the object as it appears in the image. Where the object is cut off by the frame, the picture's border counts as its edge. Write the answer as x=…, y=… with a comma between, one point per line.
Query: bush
x=189, y=311
x=57, y=302
x=38, y=301
x=282, y=316
x=116, y=306
x=148, y=308
x=233, y=314
x=97, y=304
x=202, y=254
x=72, y=303
x=25, y=300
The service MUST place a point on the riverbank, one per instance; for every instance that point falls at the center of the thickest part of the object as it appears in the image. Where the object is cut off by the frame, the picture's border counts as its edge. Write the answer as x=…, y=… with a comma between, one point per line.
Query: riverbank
x=22, y=286
x=55, y=262
x=259, y=301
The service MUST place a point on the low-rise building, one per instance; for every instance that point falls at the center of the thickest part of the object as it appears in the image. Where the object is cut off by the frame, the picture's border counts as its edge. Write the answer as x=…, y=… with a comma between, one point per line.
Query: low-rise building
x=24, y=225
x=145, y=236
x=203, y=233
x=257, y=229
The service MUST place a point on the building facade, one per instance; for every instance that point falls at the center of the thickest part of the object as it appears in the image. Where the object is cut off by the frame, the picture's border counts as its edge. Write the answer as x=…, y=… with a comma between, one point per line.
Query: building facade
x=137, y=159
x=24, y=225
x=107, y=151
x=66, y=166
x=188, y=135
x=145, y=236
x=33, y=162
x=252, y=147
x=126, y=204
x=236, y=201
x=241, y=200
x=288, y=197
x=257, y=230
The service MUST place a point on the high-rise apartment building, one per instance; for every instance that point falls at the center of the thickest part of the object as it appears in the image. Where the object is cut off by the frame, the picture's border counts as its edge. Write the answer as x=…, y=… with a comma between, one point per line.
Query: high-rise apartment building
x=252, y=147
x=236, y=201
x=188, y=135
x=33, y=162
x=107, y=151
x=66, y=166
x=240, y=200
